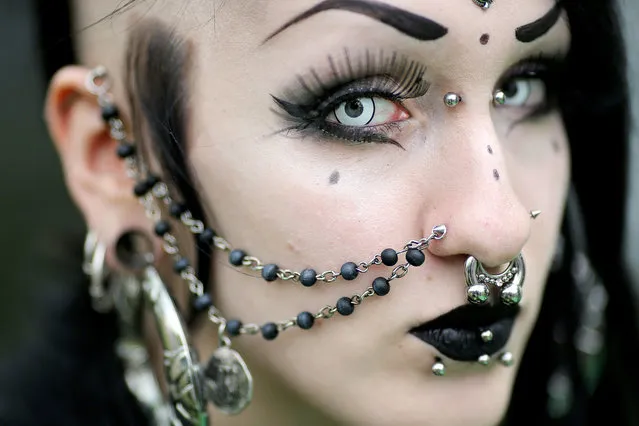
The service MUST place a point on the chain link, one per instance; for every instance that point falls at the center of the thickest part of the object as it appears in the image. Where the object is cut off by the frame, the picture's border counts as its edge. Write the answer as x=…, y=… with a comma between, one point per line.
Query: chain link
x=399, y=272
x=328, y=276
x=287, y=275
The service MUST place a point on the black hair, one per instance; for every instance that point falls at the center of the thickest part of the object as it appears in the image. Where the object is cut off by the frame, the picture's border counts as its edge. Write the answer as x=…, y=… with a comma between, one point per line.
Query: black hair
x=595, y=107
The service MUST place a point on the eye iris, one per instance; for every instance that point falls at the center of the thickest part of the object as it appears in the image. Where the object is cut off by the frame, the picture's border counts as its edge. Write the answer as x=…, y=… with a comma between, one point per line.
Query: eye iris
x=354, y=108
x=510, y=89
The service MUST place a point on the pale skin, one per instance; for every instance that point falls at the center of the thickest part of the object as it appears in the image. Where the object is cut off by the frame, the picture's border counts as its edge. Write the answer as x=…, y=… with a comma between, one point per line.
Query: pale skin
x=273, y=195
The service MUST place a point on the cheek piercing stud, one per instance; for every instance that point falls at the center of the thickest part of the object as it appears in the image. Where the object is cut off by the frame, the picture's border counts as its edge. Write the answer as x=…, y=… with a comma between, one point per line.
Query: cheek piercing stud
x=484, y=359
x=506, y=359
x=487, y=336
x=439, y=369
x=499, y=98
x=452, y=99
x=535, y=213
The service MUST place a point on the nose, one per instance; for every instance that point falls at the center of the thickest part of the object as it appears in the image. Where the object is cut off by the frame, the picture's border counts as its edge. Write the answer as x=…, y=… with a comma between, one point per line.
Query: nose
x=477, y=202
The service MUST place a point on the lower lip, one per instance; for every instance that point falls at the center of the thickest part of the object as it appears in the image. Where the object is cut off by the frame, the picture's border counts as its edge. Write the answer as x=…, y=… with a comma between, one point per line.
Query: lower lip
x=467, y=344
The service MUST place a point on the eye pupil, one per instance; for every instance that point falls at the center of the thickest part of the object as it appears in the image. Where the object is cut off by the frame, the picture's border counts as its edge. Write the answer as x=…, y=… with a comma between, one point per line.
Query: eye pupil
x=510, y=88
x=354, y=108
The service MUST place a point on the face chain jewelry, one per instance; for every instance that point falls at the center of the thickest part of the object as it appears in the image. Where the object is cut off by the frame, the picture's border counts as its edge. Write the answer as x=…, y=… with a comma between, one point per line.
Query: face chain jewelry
x=452, y=99
x=509, y=282
x=484, y=4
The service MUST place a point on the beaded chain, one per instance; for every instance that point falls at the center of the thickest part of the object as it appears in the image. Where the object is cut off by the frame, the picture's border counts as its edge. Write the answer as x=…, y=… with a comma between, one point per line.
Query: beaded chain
x=152, y=193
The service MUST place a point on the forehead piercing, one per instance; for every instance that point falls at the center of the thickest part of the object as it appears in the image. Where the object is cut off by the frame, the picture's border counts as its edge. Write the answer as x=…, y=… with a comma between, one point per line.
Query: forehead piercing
x=452, y=99
x=484, y=359
x=507, y=359
x=484, y=4
x=439, y=369
x=487, y=336
x=509, y=283
x=499, y=97
x=534, y=213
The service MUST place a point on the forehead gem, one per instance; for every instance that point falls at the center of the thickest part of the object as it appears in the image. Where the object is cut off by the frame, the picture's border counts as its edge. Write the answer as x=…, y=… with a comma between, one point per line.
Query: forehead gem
x=484, y=4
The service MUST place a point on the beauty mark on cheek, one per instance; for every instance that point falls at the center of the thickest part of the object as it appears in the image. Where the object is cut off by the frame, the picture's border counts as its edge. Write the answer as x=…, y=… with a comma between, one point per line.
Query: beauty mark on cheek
x=496, y=174
x=484, y=39
x=334, y=178
x=490, y=149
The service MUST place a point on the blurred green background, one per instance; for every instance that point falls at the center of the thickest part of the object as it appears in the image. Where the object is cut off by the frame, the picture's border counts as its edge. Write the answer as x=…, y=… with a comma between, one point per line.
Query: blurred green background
x=35, y=205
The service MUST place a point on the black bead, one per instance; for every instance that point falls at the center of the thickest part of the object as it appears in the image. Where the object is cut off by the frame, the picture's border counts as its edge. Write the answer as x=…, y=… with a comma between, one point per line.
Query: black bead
x=308, y=277
x=237, y=257
x=233, y=327
x=177, y=209
x=202, y=303
x=415, y=257
x=110, y=112
x=269, y=273
x=389, y=257
x=206, y=237
x=381, y=287
x=126, y=150
x=180, y=265
x=305, y=320
x=344, y=306
x=269, y=331
x=162, y=228
x=349, y=271
x=141, y=188
x=151, y=181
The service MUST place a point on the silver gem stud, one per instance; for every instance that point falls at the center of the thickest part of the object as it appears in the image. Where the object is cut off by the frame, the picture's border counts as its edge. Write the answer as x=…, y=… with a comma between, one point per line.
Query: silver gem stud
x=499, y=98
x=484, y=359
x=484, y=4
x=535, y=213
x=439, y=369
x=507, y=359
x=452, y=99
x=487, y=336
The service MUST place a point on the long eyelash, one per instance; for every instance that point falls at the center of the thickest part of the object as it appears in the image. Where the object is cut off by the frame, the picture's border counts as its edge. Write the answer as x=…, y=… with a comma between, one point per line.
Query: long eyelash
x=392, y=77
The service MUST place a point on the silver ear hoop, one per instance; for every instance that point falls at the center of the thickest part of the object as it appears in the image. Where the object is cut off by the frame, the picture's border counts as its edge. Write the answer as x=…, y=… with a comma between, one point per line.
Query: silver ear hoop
x=509, y=282
x=94, y=266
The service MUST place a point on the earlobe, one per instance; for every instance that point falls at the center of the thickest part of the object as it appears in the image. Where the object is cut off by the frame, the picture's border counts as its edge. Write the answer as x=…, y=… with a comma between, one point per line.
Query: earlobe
x=94, y=174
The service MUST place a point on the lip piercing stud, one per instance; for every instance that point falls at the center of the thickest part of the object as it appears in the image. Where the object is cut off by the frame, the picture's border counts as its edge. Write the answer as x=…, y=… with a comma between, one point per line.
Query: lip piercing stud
x=487, y=336
x=484, y=359
x=509, y=282
x=506, y=359
x=439, y=369
x=535, y=213
x=452, y=99
x=499, y=98
x=484, y=4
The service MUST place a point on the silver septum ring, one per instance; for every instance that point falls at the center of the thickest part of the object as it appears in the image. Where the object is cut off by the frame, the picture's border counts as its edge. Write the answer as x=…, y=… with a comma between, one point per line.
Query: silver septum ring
x=508, y=283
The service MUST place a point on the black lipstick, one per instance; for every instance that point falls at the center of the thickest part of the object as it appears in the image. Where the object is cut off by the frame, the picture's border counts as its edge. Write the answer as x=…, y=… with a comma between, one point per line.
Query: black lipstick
x=458, y=333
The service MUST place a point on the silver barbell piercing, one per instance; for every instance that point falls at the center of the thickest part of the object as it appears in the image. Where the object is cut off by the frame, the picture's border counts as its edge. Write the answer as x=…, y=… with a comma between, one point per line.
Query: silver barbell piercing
x=509, y=282
x=452, y=99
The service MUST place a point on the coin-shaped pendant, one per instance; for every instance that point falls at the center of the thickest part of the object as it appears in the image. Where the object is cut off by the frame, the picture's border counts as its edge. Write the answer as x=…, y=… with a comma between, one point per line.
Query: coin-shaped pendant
x=227, y=381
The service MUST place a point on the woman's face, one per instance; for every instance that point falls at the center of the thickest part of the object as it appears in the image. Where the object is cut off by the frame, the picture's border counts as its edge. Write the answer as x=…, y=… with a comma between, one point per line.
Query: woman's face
x=330, y=141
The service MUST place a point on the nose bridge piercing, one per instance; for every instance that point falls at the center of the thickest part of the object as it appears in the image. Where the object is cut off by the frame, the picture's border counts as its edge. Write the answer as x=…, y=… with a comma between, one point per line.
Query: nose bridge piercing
x=509, y=282
x=452, y=99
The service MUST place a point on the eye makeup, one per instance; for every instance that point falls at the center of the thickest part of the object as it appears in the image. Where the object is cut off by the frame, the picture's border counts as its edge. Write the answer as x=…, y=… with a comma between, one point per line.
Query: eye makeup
x=309, y=107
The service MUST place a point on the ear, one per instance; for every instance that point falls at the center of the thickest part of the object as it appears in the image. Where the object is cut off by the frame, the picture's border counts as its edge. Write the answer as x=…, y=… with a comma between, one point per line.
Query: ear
x=94, y=174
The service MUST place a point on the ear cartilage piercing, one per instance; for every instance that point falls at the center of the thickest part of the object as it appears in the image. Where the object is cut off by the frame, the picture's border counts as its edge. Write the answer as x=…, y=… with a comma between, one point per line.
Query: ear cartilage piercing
x=509, y=283
x=499, y=98
x=507, y=359
x=484, y=359
x=487, y=336
x=452, y=99
x=535, y=213
x=484, y=4
x=439, y=369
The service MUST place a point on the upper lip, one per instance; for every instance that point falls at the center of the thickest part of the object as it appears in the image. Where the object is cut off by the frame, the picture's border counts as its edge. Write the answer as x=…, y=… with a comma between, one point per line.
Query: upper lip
x=457, y=333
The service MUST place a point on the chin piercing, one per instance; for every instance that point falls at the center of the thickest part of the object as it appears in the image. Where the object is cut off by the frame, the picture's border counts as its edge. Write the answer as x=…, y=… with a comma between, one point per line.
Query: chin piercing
x=509, y=283
x=534, y=213
x=499, y=98
x=487, y=336
x=507, y=359
x=484, y=4
x=484, y=359
x=452, y=99
x=439, y=369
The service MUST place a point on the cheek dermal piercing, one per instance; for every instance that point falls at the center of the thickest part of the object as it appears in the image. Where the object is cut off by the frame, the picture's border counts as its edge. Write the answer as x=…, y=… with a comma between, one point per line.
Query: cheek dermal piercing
x=452, y=99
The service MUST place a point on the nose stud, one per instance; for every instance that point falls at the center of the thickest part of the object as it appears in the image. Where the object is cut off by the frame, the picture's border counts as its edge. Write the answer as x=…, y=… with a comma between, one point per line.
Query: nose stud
x=509, y=283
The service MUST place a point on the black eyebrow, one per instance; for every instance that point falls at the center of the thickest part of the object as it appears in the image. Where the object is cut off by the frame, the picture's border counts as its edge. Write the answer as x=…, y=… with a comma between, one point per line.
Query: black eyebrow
x=534, y=30
x=406, y=22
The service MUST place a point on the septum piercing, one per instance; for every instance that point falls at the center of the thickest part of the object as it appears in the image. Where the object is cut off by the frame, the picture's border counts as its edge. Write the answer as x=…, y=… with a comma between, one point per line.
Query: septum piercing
x=452, y=99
